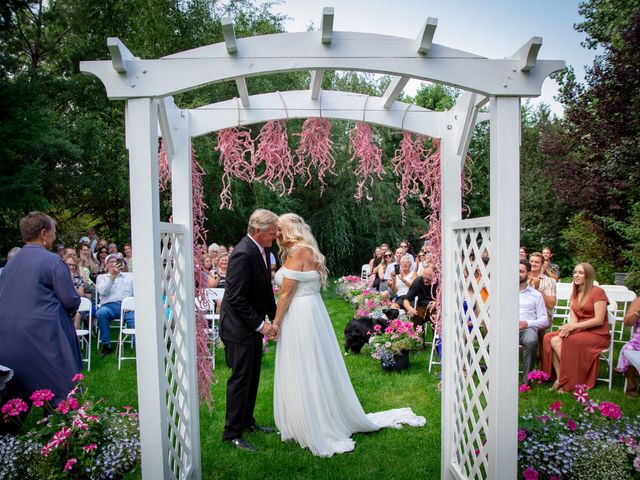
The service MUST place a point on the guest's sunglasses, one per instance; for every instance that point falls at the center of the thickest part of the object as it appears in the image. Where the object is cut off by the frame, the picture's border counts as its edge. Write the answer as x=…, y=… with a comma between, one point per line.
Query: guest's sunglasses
x=388, y=254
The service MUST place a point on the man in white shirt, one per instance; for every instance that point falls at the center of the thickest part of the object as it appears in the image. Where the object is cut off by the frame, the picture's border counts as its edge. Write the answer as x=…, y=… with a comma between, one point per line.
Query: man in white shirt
x=113, y=287
x=533, y=317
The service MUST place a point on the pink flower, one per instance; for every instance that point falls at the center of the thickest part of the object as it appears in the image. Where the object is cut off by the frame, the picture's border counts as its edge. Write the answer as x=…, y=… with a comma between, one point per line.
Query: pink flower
x=636, y=463
x=46, y=450
x=610, y=410
x=88, y=448
x=377, y=328
x=77, y=377
x=71, y=462
x=73, y=403
x=538, y=375
x=530, y=474
x=572, y=425
x=14, y=407
x=78, y=423
x=555, y=406
x=40, y=396
x=581, y=396
x=63, y=407
x=522, y=435
x=387, y=345
x=543, y=418
x=524, y=388
x=60, y=437
x=127, y=408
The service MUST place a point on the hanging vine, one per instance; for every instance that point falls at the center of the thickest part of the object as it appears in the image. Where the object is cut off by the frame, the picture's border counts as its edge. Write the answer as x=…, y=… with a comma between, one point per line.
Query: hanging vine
x=273, y=150
x=370, y=159
x=315, y=150
x=164, y=172
x=235, y=145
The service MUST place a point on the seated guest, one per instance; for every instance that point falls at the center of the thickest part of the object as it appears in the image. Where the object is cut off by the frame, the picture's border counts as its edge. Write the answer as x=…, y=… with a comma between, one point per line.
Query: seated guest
x=533, y=318
x=101, y=258
x=208, y=270
x=79, y=280
x=128, y=256
x=401, y=281
x=391, y=268
x=407, y=249
x=86, y=261
x=632, y=319
x=112, y=248
x=550, y=269
x=572, y=352
x=424, y=289
x=219, y=278
x=375, y=261
x=113, y=287
x=546, y=286
x=379, y=282
x=10, y=255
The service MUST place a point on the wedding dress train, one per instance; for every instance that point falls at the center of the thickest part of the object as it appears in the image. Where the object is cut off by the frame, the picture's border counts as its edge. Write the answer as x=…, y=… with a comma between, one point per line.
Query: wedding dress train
x=314, y=401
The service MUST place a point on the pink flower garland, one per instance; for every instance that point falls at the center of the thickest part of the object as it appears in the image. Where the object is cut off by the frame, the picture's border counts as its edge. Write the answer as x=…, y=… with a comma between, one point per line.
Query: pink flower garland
x=315, y=148
x=234, y=144
x=370, y=156
x=409, y=166
x=164, y=172
x=202, y=333
x=275, y=153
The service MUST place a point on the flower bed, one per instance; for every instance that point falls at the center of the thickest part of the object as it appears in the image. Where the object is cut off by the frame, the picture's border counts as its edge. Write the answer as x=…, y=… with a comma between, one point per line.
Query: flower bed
x=78, y=439
x=350, y=286
x=397, y=338
x=580, y=439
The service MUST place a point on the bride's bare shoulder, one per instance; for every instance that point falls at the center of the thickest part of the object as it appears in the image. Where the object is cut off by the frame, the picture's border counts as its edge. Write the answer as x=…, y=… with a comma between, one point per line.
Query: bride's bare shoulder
x=299, y=257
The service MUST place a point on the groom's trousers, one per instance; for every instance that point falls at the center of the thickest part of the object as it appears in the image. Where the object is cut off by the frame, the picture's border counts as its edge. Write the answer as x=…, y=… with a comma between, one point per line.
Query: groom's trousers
x=245, y=361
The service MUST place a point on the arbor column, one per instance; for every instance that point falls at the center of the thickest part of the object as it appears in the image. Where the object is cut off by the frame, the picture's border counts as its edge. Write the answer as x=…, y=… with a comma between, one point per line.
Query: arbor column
x=142, y=143
x=503, y=298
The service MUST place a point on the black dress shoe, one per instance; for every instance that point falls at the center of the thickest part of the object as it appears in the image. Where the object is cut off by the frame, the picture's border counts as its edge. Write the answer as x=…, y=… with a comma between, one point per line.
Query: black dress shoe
x=242, y=444
x=106, y=350
x=258, y=428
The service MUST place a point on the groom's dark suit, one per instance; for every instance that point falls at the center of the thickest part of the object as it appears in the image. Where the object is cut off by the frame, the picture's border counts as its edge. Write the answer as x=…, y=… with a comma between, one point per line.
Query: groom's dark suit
x=248, y=299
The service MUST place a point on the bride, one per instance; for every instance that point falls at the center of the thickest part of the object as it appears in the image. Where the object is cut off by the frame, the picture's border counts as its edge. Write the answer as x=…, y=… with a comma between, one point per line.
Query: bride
x=314, y=401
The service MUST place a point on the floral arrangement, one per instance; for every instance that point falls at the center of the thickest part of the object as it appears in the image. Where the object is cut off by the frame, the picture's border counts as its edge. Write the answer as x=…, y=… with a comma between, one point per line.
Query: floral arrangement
x=580, y=440
x=77, y=439
x=400, y=336
x=350, y=286
x=369, y=304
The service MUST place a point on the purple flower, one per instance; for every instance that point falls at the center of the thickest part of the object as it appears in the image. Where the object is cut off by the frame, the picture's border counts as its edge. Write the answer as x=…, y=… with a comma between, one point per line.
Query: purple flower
x=572, y=425
x=610, y=410
x=555, y=406
x=522, y=435
x=530, y=474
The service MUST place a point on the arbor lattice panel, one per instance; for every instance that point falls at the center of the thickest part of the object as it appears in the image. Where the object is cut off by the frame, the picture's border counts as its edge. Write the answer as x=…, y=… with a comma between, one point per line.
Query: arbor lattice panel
x=471, y=352
x=176, y=356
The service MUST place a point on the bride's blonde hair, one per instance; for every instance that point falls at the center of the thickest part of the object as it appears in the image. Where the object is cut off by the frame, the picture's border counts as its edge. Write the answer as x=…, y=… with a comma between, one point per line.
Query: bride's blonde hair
x=293, y=229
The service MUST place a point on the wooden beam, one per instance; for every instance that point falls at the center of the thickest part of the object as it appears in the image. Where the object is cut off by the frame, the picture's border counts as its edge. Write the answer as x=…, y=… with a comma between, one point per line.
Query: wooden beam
x=527, y=55
x=120, y=54
x=241, y=83
x=393, y=90
x=316, y=83
x=327, y=25
x=229, y=34
x=425, y=39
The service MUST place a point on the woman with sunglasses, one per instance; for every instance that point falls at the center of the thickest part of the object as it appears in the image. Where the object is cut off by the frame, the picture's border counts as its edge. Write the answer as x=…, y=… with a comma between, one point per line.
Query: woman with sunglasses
x=379, y=282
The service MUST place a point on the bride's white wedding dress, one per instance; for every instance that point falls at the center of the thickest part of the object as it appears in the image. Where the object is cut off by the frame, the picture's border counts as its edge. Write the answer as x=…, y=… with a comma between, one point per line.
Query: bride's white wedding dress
x=314, y=401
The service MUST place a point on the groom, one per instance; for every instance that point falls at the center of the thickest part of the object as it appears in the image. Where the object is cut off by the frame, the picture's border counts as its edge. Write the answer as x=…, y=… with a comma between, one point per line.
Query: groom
x=248, y=299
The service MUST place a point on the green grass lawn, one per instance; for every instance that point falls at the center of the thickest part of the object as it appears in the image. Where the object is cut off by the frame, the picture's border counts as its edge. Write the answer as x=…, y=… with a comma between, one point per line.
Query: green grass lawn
x=405, y=453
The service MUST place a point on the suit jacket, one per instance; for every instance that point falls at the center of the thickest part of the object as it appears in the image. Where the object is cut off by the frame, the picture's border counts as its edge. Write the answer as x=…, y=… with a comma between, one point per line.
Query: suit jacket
x=248, y=296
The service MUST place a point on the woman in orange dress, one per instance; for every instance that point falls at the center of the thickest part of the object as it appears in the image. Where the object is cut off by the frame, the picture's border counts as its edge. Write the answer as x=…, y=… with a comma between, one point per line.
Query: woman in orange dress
x=572, y=352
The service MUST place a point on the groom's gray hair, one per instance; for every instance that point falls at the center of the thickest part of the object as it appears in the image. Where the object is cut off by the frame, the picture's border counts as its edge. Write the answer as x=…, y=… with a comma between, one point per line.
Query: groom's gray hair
x=261, y=219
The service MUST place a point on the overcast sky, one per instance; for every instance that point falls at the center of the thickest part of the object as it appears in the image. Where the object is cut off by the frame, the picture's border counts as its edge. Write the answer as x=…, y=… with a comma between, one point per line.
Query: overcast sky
x=490, y=28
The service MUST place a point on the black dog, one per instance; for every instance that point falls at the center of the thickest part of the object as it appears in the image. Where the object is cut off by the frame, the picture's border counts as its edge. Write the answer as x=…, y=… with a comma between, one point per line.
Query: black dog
x=358, y=331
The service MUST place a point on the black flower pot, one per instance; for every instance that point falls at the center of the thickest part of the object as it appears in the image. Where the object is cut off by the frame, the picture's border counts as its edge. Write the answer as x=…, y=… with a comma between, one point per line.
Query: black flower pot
x=401, y=362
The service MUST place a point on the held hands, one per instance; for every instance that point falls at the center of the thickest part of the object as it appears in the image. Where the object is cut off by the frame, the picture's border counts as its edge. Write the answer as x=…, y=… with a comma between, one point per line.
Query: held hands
x=270, y=330
x=565, y=330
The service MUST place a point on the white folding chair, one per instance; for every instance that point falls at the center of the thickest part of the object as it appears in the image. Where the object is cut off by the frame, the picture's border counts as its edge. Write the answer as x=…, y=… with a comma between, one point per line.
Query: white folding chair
x=213, y=295
x=126, y=333
x=365, y=272
x=621, y=297
x=84, y=335
x=607, y=354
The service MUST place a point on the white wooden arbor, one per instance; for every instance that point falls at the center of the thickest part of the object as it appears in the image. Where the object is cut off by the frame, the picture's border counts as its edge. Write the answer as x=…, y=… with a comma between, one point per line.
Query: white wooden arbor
x=479, y=405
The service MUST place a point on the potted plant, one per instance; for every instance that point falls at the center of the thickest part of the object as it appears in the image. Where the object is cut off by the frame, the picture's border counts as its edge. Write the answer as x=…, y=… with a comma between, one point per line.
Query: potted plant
x=392, y=344
x=78, y=438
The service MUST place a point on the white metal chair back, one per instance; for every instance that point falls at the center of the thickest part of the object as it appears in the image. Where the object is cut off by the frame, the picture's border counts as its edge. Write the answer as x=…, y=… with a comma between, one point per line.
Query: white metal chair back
x=607, y=354
x=365, y=272
x=561, y=310
x=84, y=335
x=126, y=333
x=622, y=297
x=213, y=296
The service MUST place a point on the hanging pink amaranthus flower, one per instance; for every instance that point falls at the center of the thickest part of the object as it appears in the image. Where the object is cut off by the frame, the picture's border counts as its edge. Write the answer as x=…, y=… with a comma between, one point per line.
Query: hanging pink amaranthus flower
x=202, y=327
x=274, y=151
x=370, y=156
x=315, y=148
x=164, y=172
x=409, y=166
x=236, y=156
